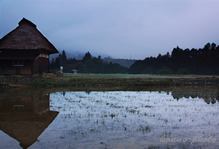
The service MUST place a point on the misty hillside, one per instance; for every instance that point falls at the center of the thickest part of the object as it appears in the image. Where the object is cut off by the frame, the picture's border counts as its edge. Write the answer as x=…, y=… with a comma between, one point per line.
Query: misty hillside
x=123, y=62
x=76, y=55
x=79, y=55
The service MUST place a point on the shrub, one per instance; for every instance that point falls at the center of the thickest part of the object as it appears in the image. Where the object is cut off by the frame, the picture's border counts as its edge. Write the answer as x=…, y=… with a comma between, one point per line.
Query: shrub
x=183, y=71
x=165, y=70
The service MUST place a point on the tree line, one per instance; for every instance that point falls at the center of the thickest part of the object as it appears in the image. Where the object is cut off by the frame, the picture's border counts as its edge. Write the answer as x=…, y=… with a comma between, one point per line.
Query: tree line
x=195, y=61
x=88, y=64
x=181, y=61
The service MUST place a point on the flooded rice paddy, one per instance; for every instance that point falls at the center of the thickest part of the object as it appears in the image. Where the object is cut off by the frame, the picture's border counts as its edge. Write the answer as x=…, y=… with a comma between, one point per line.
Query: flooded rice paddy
x=109, y=119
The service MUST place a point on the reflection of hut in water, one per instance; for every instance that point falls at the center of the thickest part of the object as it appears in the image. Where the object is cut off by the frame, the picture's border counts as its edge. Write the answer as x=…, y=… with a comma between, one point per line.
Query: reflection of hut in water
x=24, y=116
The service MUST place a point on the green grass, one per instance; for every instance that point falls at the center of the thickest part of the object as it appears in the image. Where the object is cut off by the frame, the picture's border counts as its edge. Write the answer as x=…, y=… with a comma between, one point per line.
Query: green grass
x=45, y=81
x=109, y=80
x=122, y=76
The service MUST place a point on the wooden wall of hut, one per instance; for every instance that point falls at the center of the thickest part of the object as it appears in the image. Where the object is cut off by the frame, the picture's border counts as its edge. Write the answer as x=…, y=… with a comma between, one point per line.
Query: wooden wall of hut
x=8, y=67
x=41, y=64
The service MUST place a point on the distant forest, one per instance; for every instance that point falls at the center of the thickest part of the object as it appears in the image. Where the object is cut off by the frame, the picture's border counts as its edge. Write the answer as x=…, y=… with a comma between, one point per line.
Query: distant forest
x=195, y=61
x=88, y=64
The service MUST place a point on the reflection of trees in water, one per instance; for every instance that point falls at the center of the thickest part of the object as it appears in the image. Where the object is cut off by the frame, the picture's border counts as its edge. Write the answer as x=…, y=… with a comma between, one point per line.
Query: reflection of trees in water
x=207, y=96
x=63, y=93
x=88, y=92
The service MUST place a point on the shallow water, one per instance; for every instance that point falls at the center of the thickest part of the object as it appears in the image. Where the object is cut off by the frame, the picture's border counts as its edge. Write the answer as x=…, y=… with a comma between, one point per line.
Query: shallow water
x=112, y=119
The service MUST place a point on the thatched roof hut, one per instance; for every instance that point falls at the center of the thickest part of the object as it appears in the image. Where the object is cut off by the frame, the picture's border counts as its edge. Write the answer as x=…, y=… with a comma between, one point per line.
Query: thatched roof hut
x=26, y=36
x=25, y=43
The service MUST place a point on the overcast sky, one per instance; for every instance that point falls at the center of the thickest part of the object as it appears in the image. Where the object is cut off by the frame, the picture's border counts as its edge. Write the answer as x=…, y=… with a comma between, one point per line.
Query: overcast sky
x=118, y=28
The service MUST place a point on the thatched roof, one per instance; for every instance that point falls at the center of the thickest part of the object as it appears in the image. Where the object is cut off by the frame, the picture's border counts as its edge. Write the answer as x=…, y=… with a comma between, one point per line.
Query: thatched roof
x=26, y=37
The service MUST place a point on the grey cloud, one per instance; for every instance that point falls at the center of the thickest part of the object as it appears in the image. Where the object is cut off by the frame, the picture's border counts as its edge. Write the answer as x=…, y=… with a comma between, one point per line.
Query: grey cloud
x=119, y=28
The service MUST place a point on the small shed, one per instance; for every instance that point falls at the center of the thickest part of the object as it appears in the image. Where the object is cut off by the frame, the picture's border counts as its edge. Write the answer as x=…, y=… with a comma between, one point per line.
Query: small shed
x=25, y=50
x=74, y=71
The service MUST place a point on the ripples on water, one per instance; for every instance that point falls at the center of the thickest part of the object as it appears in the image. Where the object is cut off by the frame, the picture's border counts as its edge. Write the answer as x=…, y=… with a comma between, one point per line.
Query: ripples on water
x=113, y=119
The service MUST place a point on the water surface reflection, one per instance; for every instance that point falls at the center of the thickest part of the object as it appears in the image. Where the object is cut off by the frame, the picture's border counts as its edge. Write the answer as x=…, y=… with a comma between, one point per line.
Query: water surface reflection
x=24, y=115
x=174, y=118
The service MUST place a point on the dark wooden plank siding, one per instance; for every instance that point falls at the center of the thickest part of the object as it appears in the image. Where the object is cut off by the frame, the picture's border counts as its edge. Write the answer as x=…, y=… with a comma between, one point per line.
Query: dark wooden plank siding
x=41, y=64
x=7, y=67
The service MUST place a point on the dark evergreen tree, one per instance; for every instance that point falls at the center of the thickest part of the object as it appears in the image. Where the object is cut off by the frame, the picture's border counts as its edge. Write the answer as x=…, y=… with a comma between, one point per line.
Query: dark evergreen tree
x=86, y=57
x=63, y=58
x=94, y=65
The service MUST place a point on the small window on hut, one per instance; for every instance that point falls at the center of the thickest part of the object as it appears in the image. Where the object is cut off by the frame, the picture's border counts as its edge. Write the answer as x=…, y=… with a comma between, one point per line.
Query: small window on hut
x=18, y=63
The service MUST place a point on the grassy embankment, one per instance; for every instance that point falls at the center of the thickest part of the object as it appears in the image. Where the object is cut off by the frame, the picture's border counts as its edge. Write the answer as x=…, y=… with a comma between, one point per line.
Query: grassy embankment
x=114, y=80
x=122, y=76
